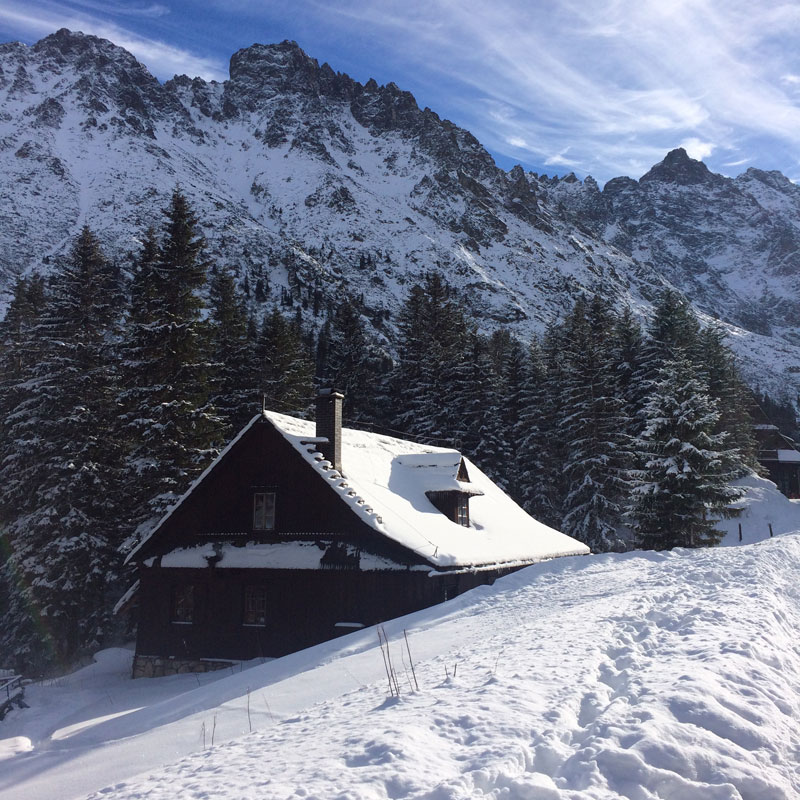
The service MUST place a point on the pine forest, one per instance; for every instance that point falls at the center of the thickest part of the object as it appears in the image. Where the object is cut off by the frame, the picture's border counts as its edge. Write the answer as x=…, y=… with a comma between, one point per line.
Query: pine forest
x=120, y=382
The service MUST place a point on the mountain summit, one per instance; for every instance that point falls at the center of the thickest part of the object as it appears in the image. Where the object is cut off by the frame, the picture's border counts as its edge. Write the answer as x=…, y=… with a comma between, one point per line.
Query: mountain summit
x=678, y=168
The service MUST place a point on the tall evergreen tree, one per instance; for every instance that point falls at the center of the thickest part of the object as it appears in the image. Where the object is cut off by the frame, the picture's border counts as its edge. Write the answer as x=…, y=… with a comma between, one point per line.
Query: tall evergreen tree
x=61, y=473
x=476, y=407
x=673, y=333
x=351, y=365
x=169, y=426
x=592, y=427
x=683, y=482
x=542, y=449
x=629, y=369
x=285, y=368
x=734, y=399
x=434, y=340
x=234, y=394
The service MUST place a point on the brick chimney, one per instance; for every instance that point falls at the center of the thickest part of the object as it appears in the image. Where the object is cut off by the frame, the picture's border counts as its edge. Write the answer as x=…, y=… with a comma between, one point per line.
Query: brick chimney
x=329, y=425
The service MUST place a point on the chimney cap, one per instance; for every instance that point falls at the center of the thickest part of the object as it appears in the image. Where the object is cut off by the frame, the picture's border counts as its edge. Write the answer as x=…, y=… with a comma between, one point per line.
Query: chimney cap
x=329, y=391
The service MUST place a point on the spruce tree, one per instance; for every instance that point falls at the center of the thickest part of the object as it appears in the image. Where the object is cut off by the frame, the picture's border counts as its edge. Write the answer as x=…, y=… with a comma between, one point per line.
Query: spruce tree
x=592, y=426
x=476, y=405
x=435, y=339
x=673, y=333
x=350, y=364
x=234, y=394
x=733, y=397
x=285, y=368
x=536, y=438
x=61, y=473
x=682, y=484
x=171, y=430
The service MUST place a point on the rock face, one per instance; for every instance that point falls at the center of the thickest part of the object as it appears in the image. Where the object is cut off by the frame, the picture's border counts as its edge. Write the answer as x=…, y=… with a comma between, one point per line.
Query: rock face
x=312, y=185
x=732, y=245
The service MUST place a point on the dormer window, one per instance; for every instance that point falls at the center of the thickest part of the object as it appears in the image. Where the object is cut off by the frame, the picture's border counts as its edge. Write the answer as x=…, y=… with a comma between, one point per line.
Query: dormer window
x=462, y=510
x=263, y=511
x=454, y=505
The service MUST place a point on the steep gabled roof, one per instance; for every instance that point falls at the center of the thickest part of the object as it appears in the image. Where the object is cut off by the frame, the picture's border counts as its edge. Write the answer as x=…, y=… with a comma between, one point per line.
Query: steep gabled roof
x=385, y=481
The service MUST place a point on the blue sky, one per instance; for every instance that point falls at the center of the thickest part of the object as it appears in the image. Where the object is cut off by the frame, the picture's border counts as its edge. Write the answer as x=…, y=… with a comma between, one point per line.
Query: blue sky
x=600, y=87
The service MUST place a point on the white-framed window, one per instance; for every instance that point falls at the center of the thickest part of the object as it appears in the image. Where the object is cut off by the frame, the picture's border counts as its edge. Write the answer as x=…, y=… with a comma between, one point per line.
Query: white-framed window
x=462, y=511
x=263, y=511
x=255, y=606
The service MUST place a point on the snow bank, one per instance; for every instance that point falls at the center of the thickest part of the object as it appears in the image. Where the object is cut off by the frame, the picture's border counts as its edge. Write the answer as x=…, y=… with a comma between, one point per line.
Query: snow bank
x=13, y=746
x=762, y=505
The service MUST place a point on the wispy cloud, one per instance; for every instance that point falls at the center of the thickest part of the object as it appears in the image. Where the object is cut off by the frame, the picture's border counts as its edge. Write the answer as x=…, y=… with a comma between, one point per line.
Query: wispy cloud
x=163, y=59
x=617, y=81
x=613, y=84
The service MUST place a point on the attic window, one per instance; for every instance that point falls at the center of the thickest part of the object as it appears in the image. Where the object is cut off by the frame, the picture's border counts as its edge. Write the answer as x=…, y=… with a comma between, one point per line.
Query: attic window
x=454, y=505
x=263, y=511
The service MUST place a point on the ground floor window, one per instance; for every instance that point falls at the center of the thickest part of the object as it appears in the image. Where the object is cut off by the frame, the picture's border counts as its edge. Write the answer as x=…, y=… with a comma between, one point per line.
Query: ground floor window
x=255, y=605
x=182, y=605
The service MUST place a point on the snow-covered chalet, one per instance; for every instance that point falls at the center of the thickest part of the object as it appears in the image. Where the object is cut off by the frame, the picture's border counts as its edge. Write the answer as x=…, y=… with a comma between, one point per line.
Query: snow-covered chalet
x=300, y=532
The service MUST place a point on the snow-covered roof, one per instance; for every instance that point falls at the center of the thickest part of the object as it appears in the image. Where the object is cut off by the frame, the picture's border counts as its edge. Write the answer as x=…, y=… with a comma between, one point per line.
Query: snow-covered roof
x=385, y=481
x=792, y=456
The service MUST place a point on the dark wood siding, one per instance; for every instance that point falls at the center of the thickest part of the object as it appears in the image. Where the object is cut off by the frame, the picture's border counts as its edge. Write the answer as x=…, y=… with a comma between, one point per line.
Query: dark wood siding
x=303, y=607
x=221, y=507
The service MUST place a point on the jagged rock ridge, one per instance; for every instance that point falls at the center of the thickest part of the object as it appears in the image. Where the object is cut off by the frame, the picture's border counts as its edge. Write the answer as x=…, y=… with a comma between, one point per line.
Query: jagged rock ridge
x=298, y=171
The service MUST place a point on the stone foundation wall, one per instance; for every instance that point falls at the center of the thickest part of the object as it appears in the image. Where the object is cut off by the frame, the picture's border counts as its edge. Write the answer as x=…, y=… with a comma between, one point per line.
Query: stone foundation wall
x=158, y=666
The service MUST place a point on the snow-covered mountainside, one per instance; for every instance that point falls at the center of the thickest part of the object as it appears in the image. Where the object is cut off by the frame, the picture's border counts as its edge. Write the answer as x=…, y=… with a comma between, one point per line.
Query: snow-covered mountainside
x=641, y=675
x=308, y=181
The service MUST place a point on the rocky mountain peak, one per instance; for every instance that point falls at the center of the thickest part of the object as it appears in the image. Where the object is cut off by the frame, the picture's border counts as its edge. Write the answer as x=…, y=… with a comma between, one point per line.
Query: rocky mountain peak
x=771, y=178
x=262, y=71
x=87, y=53
x=678, y=168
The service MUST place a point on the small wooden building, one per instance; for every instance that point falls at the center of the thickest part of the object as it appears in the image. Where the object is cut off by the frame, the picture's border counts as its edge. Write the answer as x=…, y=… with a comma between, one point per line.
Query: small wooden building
x=779, y=455
x=298, y=533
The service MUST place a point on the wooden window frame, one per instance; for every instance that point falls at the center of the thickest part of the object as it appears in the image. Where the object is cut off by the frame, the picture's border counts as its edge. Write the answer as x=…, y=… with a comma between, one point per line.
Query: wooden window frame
x=182, y=604
x=264, y=517
x=254, y=614
x=462, y=510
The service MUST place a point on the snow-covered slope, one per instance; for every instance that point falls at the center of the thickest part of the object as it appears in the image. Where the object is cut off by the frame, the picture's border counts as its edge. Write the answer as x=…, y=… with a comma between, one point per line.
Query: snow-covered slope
x=643, y=675
x=309, y=182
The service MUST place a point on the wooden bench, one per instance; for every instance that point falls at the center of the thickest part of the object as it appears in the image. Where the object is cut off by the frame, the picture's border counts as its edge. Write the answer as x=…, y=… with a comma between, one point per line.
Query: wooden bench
x=12, y=693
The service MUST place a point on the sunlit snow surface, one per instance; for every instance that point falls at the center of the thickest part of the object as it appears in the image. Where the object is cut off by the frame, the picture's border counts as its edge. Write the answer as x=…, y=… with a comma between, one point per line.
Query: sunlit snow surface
x=672, y=675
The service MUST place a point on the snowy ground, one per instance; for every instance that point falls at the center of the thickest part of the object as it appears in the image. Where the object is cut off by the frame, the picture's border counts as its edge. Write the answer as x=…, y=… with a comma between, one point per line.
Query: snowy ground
x=673, y=676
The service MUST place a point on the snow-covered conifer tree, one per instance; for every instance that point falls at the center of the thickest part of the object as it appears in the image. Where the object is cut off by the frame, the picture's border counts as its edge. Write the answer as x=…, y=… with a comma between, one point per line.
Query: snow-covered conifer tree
x=61, y=469
x=683, y=482
x=169, y=427
x=234, y=394
x=592, y=425
x=285, y=369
